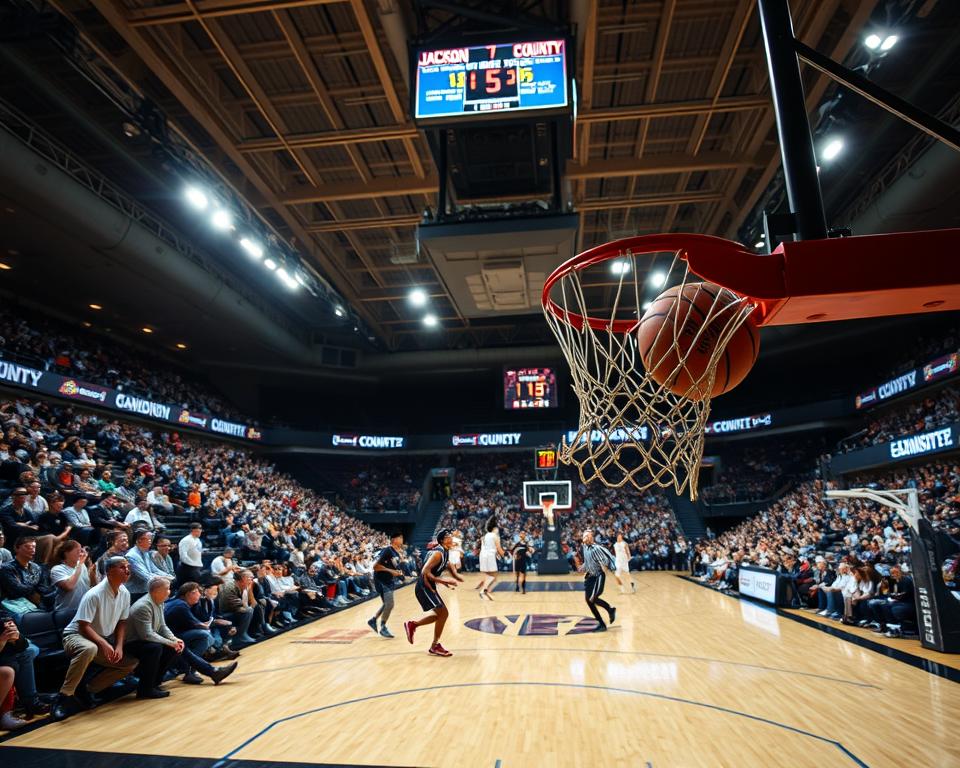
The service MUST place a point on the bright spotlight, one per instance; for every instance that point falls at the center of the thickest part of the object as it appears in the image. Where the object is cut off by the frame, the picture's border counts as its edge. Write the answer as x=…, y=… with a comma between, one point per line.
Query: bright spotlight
x=417, y=297
x=759, y=245
x=196, y=197
x=647, y=305
x=300, y=278
x=252, y=247
x=430, y=321
x=872, y=42
x=618, y=267
x=222, y=220
x=832, y=148
x=270, y=264
x=338, y=311
x=888, y=42
x=286, y=279
x=657, y=279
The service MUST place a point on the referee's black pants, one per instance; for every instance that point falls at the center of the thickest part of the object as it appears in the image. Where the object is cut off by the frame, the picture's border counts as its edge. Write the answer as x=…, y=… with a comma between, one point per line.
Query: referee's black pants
x=592, y=589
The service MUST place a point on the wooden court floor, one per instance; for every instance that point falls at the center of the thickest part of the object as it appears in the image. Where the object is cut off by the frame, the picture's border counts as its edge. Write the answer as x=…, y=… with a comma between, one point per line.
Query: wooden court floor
x=685, y=677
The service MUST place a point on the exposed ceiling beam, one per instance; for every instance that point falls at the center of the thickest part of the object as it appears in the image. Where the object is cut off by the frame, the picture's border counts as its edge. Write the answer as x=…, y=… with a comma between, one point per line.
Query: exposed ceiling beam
x=329, y=138
x=391, y=187
x=180, y=13
x=657, y=165
x=675, y=109
x=648, y=201
x=375, y=223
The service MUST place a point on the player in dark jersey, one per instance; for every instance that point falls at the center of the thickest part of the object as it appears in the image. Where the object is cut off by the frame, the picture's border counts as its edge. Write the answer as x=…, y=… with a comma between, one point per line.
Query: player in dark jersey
x=522, y=552
x=426, y=591
x=386, y=568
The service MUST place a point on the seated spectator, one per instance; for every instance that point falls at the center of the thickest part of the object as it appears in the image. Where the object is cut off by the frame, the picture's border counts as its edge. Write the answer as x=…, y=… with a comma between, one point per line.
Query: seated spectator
x=108, y=516
x=54, y=528
x=283, y=589
x=162, y=559
x=159, y=501
x=899, y=607
x=105, y=483
x=223, y=566
x=142, y=566
x=5, y=555
x=239, y=606
x=312, y=599
x=208, y=613
x=79, y=519
x=834, y=593
x=17, y=654
x=35, y=504
x=141, y=516
x=823, y=576
x=151, y=641
x=16, y=519
x=182, y=621
x=23, y=583
x=97, y=635
x=73, y=575
x=118, y=544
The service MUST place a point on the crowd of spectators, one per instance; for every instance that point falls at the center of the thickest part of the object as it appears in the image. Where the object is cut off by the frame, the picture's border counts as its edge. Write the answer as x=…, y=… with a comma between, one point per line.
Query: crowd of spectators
x=848, y=558
x=49, y=345
x=756, y=471
x=86, y=506
x=390, y=485
x=492, y=485
x=901, y=420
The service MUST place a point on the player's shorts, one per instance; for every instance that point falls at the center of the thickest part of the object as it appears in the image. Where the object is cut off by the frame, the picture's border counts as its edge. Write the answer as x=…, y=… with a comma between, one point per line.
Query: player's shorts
x=488, y=562
x=593, y=585
x=520, y=564
x=382, y=586
x=429, y=599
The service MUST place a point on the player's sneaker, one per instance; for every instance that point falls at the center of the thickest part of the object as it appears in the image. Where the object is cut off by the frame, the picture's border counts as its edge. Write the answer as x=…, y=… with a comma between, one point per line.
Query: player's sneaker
x=438, y=650
x=409, y=627
x=600, y=628
x=373, y=623
x=613, y=614
x=384, y=632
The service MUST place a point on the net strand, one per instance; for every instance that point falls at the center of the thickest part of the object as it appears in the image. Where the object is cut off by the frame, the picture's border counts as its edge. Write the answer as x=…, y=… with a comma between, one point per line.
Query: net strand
x=633, y=430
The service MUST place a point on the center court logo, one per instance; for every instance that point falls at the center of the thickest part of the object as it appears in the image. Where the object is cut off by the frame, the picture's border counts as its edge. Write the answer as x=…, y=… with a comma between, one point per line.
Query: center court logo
x=533, y=624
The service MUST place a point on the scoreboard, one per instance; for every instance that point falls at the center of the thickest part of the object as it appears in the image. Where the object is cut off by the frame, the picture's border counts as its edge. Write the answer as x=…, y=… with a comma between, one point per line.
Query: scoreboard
x=529, y=388
x=495, y=79
x=545, y=459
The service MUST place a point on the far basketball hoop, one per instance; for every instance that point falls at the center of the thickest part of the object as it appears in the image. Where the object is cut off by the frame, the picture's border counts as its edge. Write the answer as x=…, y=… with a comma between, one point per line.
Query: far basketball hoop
x=549, y=497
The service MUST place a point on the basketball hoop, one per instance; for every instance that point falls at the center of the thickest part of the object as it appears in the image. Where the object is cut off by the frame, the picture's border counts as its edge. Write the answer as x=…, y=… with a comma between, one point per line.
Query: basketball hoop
x=635, y=428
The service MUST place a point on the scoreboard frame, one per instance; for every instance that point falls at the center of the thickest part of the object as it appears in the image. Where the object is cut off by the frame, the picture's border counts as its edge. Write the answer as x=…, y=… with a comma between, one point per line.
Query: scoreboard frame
x=502, y=115
x=530, y=409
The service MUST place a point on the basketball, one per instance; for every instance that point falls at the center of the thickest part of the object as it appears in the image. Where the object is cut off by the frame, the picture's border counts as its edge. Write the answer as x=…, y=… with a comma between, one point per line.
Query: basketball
x=668, y=319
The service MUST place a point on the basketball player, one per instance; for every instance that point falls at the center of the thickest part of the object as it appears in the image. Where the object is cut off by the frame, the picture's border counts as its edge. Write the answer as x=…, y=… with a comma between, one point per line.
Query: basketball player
x=490, y=550
x=595, y=559
x=429, y=598
x=521, y=554
x=623, y=563
x=385, y=570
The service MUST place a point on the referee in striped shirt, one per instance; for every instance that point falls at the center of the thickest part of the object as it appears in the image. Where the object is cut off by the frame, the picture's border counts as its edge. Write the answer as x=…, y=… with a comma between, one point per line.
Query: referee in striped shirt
x=596, y=558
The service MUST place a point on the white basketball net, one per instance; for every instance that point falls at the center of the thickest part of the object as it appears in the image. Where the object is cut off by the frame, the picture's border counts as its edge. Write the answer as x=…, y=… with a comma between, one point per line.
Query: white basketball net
x=633, y=429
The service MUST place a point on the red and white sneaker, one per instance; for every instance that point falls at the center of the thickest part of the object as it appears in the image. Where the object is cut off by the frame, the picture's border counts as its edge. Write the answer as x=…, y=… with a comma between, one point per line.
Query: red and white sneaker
x=409, y=627
x=438, y=650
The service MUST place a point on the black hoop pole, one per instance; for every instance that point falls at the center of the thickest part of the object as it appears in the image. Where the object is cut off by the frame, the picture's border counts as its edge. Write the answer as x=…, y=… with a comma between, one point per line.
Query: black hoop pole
x=793, y=128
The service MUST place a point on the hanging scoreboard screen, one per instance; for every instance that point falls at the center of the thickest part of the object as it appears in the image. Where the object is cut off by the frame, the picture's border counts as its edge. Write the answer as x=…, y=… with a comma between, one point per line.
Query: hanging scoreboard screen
x=545, y=458
x=495, y=79
x=529, y=388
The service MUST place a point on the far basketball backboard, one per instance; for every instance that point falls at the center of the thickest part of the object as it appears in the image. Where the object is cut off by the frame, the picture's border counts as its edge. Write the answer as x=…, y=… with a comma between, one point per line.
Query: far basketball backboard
x=558, y=492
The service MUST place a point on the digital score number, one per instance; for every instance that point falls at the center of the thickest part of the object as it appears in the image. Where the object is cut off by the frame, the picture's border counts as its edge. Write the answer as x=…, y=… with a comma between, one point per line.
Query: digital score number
x=486, y=79
x=529, y=388
x=546, y=458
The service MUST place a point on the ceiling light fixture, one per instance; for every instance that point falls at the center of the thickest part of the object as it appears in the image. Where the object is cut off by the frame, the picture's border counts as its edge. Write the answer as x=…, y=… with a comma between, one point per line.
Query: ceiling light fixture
x=269, y=263
x=4, y=265
x=222, y=220
x=196, y=197
x=95, y=306
x=888, y=42
x=417, y=297
x=618, y=267
x=286, y=279
x=657, y=279
x=872, y=42
x=252, y=247
x=430, y=320
x=181, y=345
x=147, y=329
x=832, y=149
x=338, y=311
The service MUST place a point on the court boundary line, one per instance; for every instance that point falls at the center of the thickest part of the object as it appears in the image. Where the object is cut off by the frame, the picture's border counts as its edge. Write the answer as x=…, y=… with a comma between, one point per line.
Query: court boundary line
x=567, y=649
x=222, y=763
x=931, y=667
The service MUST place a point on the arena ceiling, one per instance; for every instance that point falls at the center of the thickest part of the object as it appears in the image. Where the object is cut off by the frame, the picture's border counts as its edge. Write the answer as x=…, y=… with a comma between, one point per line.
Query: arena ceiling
x=302, y=106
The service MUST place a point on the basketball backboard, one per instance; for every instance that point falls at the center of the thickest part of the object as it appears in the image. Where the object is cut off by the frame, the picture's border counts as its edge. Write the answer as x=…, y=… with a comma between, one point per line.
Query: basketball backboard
x=559, y=492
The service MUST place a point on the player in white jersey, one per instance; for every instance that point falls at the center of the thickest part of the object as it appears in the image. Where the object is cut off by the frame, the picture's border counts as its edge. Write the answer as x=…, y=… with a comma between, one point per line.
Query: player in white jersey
x=622, y=552
x=490, y=549
x=456, y=551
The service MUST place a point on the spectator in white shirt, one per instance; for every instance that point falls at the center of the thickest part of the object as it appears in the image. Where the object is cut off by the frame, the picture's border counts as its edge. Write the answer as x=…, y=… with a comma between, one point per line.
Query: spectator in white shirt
x=35, y=503
x=141, y=516
x=96, y=635
x=835, y=592
x=190, y=549
x=158, y=499
x=223, y=565
x=73, y=576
